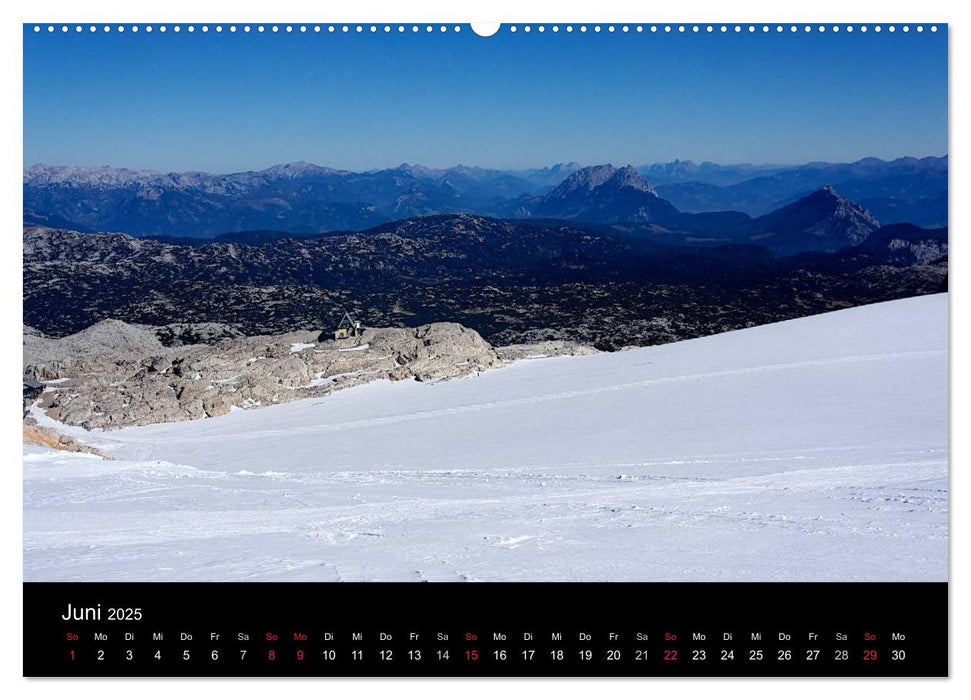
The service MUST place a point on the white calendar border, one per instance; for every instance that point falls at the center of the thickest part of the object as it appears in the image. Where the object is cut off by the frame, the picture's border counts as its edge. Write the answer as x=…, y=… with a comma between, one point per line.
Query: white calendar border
x=563, y=11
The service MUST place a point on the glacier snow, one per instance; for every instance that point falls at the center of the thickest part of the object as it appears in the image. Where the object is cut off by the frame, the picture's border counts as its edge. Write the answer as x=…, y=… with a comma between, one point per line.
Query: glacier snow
x=808, y=450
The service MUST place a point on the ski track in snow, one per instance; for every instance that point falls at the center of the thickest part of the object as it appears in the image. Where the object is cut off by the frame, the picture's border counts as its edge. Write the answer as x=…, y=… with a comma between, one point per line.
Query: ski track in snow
x=814, y=449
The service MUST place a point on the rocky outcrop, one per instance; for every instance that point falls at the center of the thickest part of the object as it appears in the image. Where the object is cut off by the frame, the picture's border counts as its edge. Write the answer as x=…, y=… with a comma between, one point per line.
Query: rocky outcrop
x=103, y=343
x=113, y=374
x=178, y=334
x=546, y=348
x=48, y=437
x=904, y=244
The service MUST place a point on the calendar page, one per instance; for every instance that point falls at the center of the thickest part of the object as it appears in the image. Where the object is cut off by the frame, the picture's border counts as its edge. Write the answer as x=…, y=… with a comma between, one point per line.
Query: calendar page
x=540, y=349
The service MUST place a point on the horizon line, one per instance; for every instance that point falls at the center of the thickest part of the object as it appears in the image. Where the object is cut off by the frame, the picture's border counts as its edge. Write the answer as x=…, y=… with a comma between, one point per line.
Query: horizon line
x=456, y=166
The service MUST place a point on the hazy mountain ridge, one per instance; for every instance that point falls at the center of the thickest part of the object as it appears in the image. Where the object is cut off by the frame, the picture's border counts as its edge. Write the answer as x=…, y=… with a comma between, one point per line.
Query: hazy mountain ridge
x=307, y=198
x=822, y=221
x=905, y=190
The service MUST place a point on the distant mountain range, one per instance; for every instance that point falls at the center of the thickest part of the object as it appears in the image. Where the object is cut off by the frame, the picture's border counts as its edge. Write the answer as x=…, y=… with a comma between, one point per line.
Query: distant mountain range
x=912, y=190
x=823, y=221
x=302, y=198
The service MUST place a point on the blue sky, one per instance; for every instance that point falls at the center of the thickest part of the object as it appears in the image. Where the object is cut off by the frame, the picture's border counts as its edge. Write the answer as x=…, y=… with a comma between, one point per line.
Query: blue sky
x=227, y=102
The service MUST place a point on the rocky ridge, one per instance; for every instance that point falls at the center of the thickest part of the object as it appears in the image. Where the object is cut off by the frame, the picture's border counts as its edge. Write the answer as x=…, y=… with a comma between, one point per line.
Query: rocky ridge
x=512, y=281
x=114, y=374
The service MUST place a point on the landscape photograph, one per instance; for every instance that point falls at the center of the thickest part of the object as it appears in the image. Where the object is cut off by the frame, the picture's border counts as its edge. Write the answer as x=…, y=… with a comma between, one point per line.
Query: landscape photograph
x=565, y=303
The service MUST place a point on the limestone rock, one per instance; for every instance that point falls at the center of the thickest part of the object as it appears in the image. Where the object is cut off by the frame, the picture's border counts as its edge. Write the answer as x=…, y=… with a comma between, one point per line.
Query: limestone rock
x=545, y=348
x=113, y=374
x=179, y=334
